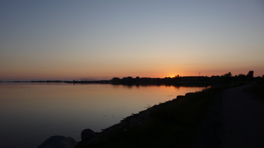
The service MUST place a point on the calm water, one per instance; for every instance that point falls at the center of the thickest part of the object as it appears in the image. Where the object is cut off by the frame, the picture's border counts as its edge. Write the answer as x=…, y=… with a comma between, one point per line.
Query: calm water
x=31, y=113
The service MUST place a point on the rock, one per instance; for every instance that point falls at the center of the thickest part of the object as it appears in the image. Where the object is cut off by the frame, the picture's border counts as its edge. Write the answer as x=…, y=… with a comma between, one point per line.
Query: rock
x=87, y=134
x=59, y=142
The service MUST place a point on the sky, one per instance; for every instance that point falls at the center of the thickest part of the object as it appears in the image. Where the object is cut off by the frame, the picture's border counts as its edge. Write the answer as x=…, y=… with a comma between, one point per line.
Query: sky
x=101, y=39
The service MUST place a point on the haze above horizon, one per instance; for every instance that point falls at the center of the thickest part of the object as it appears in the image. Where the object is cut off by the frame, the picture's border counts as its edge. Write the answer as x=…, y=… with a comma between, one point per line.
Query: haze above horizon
x=151, y=38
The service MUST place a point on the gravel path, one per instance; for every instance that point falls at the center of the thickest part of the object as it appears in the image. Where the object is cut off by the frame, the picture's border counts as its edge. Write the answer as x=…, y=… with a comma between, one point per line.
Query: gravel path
x=243, y=119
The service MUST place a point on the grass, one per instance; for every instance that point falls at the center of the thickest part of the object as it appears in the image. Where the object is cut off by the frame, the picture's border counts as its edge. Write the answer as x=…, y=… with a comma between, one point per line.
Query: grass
x=170, y=124
x=257, y=89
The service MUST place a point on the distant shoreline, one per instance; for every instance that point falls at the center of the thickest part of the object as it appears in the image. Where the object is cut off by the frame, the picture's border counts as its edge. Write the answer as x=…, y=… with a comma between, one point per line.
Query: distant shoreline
x=146, y=81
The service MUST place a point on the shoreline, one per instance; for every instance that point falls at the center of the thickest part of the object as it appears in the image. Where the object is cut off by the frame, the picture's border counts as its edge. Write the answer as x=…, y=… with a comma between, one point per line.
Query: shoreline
x=132, y=121
x=143, y=119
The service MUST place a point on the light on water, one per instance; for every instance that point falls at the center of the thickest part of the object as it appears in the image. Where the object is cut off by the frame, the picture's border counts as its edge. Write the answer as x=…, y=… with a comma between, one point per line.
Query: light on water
x=30, y=113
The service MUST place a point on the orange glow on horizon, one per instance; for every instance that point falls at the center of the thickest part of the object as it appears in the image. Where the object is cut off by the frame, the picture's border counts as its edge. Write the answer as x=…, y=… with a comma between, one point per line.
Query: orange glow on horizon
x=76, y=74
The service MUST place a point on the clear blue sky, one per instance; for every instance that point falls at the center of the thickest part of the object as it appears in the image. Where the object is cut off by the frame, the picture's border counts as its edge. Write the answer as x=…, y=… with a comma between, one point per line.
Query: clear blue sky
x=62, y=39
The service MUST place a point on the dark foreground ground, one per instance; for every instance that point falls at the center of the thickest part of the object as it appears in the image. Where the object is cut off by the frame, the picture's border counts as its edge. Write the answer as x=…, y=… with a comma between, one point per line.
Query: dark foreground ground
x=243, y=119
x=235, y=119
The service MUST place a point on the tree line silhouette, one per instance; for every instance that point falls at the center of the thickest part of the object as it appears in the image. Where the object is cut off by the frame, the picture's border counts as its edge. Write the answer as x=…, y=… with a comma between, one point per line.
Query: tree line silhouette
x=224, y=79
x=186, y=80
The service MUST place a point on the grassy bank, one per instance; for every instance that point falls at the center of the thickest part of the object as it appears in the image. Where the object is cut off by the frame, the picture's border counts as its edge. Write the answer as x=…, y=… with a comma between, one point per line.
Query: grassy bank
x=170, y=124
x=257, y=89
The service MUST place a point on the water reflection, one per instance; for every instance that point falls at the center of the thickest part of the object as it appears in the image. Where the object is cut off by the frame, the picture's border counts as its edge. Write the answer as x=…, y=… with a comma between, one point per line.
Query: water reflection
x=30, y=113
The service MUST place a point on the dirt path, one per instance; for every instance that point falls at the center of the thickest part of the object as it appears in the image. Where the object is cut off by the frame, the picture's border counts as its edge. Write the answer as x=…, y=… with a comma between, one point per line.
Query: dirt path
x=243, y=119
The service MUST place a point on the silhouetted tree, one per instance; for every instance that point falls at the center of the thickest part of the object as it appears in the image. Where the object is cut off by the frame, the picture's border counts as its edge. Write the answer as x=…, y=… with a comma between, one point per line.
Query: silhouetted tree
x=250, y=74
x=241, y=75
x=116, y=80
x=228, y=74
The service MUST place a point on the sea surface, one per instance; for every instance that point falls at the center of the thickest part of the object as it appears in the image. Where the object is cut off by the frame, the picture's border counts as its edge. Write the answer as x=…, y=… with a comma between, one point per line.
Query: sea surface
x=32, y=112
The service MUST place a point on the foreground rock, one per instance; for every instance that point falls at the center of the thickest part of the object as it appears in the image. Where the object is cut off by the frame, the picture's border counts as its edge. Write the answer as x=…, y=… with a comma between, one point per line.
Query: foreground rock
x=59, y=142
x=87, y=135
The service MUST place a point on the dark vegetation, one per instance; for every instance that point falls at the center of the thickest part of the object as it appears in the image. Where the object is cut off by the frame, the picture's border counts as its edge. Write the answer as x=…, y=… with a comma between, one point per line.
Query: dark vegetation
x=257, y=88
x=170, y=124
x=224, y=79
x=187, y=80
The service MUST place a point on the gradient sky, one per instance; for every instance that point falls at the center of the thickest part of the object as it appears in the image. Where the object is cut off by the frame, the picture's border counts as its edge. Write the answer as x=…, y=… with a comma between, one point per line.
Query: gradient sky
x=62, y=39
